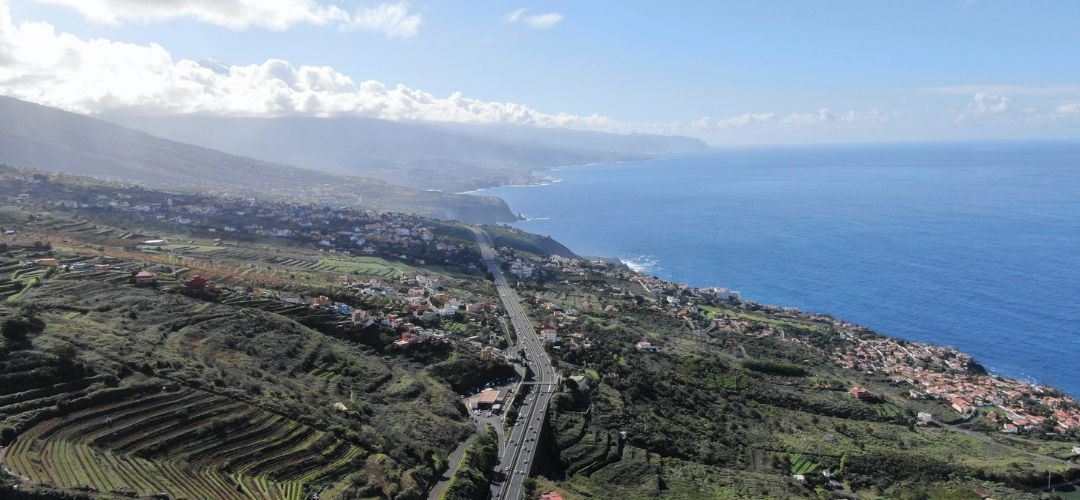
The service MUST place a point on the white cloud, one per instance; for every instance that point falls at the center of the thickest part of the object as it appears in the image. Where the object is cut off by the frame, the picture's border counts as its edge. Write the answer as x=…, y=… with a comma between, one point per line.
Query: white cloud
x=96, y=75
x=1022, y=90
x=985, y=105
x=543, y=21
x=738, y=121
x=877, y=116
x=393, y=19
x=1069, y=109
x=823, y=115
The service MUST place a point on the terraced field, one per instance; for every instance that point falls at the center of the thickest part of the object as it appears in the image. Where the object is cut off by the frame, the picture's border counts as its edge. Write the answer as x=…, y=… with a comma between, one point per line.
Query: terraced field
x=370, y=266
x=298, y=312
x=185, y=443
x=22, y=280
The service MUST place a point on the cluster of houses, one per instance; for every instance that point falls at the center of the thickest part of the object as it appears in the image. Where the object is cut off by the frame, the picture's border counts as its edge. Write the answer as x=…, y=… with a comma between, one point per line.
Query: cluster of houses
x=522, y=269
x=143, y=278
x=341, y=230
x=939, y=372
x=946, y=374
x=424, y=303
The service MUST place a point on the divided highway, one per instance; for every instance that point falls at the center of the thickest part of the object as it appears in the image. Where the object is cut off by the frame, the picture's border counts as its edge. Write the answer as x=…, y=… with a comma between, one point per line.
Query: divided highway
x=520, y=448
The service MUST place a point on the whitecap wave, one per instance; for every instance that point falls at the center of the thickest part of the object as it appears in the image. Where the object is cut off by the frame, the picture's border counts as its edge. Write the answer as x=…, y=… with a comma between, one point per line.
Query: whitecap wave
x=641, y=263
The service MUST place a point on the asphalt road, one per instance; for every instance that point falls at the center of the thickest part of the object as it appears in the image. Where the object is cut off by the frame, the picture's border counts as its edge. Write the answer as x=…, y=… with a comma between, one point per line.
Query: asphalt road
x=520, y=448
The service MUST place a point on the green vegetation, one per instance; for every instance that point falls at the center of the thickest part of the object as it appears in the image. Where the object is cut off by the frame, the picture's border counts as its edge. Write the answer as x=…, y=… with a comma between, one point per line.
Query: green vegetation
x=106, y=387
x=473, y=477
x=802, y=465
x=738, y=414
x=110, y=389
x=535, y=244
x=775, y=367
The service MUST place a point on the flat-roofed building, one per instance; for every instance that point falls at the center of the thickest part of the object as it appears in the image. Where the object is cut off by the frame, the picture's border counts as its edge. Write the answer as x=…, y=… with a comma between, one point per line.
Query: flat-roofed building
x=487, y=399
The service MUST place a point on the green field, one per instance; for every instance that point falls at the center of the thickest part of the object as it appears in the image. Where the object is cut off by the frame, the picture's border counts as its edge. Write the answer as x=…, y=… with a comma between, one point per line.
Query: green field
x=187, y=443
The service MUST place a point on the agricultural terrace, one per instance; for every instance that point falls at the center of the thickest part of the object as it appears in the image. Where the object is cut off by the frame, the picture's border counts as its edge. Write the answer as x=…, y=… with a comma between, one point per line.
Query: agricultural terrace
x=257, y=406
x=183, y=442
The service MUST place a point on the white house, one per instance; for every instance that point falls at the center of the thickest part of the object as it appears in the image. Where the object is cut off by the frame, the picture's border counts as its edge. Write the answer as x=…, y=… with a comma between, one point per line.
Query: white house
x=646, y=346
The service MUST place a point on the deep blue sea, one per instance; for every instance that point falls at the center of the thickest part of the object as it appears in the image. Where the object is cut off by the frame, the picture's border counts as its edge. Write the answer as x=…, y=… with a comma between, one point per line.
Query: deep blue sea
x=971, y=245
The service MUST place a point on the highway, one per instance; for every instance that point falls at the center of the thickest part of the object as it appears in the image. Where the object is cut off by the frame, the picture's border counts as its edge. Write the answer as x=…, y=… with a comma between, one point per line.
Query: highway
x=519, y=450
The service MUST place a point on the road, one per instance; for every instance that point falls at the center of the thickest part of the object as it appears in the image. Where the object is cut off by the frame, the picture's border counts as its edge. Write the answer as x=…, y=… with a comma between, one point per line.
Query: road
x=455, y=462
x=519, y=451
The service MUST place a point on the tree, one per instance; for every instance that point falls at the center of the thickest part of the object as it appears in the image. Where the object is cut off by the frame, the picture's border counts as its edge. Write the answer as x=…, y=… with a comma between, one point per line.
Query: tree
x=17, y=329
x=65, y=352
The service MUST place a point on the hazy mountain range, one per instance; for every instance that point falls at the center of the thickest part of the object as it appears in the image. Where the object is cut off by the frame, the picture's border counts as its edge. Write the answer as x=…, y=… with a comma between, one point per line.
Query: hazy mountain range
x=452, y=157
x=54, y=140
x=345, y=161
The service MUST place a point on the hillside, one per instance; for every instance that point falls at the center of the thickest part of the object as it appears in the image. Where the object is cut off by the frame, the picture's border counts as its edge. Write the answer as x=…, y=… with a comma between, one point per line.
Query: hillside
x=510, y=237
x=334, y=351
x=239, y=390
x=450, y=157
x=686, y=393
x=58, y=141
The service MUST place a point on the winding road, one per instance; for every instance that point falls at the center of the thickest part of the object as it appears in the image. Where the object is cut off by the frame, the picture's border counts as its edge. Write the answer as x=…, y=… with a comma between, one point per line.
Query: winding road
x=519, y=451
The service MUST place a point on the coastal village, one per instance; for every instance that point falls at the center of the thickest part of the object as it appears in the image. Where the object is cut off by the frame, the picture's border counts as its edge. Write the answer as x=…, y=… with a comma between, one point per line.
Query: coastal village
x=932, y=372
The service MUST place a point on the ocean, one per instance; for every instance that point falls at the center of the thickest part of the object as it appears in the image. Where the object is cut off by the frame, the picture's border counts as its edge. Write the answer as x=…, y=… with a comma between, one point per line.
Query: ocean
x=973, y=245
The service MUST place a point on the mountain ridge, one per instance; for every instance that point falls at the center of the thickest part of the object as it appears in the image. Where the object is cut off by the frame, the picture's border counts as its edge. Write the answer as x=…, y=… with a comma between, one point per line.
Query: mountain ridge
x=55, y=140
x=426, y=155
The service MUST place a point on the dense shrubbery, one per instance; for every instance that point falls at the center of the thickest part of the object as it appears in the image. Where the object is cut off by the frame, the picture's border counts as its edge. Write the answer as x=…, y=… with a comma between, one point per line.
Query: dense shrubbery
x=471, y=372
x=17, y=329
x=775, y=368
x=473, y=477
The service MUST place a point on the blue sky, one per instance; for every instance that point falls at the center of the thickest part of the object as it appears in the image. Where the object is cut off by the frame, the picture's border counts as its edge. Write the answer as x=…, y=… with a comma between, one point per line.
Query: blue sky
x=729, y=72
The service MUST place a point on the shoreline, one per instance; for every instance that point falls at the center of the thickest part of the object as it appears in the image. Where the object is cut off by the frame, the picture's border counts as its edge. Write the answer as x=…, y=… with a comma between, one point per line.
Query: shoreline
x=544, y=180
x=921, y=370
x=651, y=264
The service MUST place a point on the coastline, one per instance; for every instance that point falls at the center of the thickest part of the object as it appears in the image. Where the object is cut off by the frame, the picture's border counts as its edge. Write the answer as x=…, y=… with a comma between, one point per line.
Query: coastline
x=545, y=180
x=648, y=264
x=924, y=370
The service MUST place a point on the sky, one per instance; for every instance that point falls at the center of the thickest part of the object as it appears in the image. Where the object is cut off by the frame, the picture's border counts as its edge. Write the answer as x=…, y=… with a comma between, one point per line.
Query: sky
x=731, y=73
